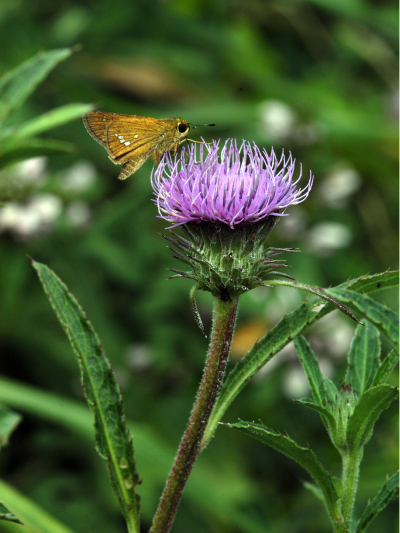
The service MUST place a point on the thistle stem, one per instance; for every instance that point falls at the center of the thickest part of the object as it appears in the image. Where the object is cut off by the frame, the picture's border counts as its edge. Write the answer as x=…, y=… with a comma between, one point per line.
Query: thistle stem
x=351, y=469
x=224, y=318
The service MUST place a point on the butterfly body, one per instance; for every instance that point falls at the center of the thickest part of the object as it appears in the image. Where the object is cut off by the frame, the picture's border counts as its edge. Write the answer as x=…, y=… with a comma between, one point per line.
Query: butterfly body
x=131, y=140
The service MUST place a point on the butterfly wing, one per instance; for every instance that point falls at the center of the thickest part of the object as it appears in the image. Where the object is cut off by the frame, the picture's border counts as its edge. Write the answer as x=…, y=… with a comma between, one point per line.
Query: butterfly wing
x=126, y=137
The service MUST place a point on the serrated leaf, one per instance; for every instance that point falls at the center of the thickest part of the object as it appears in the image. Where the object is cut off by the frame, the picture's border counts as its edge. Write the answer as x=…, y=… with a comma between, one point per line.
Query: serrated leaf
x=303, y=456
x=386, y=367
x=7, y=515
x=317, y=291
x=376, y=282
x=311, y=368
x=389, y=490
x=363, y=359
x=8, y=422
x=385, y=319
x=287, y=329
x=18, y=84
x=367, y=411
x=113, y=441
x=46, y=121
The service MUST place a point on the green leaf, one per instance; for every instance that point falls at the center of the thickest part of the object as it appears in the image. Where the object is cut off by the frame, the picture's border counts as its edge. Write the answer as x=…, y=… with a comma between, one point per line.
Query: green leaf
x=363, y=358
x=287, y=329
x=367, y=411
x=386, y=367
x=311, y=368
x=385, y=319
x=230, y=489
x=389, y=490
x=8, y=422
x=18, y=84
x=46, y=121
x=315, y=490
x=7, y=515
x=34, y=518
x=376, y=282
x=32, y=148
x=113, y=441
x=314, y=290
x=303, y=456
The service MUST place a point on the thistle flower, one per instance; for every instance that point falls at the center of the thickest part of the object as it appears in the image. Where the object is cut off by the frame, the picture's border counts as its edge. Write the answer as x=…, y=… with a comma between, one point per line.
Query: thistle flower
x=226, y=207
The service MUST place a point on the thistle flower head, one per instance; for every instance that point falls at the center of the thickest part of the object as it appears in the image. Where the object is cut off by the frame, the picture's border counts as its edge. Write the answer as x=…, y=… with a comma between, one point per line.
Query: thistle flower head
x=243, y=186
x=226, y=205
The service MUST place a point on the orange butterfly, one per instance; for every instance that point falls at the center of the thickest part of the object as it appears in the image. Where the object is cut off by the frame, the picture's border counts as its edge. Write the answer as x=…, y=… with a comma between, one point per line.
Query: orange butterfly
x=132, y=140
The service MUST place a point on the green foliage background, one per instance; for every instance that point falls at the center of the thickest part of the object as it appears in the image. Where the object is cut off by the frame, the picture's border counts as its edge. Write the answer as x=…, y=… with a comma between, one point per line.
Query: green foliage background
x=334, y=65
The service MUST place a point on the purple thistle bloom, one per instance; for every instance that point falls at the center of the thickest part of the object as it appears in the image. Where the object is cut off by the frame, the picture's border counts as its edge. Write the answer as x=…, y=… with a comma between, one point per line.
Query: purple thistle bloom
x=243, y=187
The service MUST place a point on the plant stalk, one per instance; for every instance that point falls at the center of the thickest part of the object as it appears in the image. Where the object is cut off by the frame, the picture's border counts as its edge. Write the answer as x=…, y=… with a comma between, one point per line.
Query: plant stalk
x=351, y=470
x=224, y=318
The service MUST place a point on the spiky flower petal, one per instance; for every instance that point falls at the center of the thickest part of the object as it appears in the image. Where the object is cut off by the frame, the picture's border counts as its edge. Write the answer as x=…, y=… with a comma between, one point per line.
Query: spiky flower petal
x=243, y=186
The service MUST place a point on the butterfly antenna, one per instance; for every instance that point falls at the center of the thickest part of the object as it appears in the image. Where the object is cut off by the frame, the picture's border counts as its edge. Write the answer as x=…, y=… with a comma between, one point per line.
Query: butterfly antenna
x=194, y=125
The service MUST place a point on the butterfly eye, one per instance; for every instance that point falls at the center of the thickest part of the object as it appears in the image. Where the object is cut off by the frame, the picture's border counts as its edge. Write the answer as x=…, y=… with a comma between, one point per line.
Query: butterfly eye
x=182, y=127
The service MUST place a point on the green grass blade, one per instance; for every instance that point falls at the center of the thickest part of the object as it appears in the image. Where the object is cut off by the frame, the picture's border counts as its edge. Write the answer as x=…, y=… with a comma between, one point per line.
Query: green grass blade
x=303, y=456
x=34, y=518
x=363, y=358
x=389, y=490
x=113, y=441
x=18, y=84
x=46, y=121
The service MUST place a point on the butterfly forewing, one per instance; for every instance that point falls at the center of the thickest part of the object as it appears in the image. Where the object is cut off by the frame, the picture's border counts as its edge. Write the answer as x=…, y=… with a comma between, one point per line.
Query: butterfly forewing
x=122, y=135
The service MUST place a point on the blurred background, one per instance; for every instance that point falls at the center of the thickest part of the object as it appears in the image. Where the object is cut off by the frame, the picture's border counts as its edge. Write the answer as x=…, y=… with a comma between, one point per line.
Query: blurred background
x=318, y=78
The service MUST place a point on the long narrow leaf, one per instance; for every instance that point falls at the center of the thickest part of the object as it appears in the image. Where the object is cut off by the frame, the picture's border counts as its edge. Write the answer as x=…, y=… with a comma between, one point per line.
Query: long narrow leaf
x=289, y=327
x=34, y=518
x=367, y=411
x=113, y=441
x=389, y=490
x=385, y=319
x=51, y=119
x=207, y=486
x=386, y=367
x=17, y=85
x=273, y=342
x=363, y=358
x=303, y=456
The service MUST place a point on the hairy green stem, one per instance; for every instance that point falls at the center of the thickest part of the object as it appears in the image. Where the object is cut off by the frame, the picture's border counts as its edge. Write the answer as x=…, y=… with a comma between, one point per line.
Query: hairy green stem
x=351, y=470
x=224, y=318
